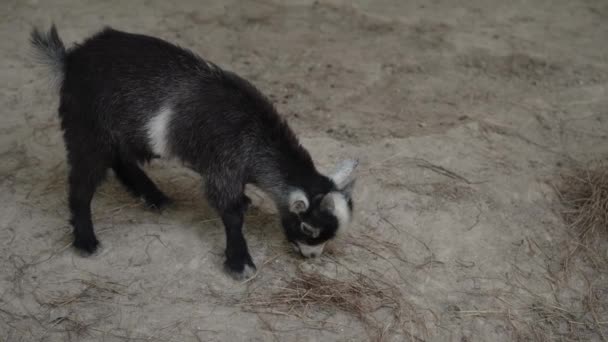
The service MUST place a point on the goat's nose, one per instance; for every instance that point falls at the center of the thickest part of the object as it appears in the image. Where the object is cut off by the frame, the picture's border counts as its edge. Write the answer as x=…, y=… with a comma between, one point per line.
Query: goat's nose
x=313, y=255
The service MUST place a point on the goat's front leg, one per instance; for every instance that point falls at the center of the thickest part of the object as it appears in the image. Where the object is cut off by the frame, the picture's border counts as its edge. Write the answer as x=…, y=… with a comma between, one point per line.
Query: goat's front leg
x=238, y=261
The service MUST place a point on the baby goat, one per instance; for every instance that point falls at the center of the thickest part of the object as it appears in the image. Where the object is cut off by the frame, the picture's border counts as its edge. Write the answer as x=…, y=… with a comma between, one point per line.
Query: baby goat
x=127, y=98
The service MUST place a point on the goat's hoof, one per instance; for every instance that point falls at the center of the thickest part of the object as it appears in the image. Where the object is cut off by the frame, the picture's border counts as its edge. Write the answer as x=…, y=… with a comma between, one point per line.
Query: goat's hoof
x=86, y=246
x=246, y=271
x=158, y=201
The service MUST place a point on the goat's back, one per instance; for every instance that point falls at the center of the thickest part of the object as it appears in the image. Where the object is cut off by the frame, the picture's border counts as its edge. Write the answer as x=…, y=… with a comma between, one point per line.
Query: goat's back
x=119, y=83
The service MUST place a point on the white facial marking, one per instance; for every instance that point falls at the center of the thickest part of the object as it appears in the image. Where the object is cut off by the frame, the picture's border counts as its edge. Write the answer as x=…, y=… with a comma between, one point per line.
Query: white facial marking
x=310, y=251
x=298, y=202
x=341, y=210
x=158, y=129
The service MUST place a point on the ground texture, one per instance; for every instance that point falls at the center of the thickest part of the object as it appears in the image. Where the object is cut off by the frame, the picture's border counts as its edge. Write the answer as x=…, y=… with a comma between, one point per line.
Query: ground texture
x=462, y=113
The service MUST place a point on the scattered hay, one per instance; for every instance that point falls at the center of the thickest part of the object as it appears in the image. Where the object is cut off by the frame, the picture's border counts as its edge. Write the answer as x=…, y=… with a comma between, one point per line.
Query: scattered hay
x=546, y=316
x=575, y=307
x=92, y=292
x=584, y=194
x=361, y=297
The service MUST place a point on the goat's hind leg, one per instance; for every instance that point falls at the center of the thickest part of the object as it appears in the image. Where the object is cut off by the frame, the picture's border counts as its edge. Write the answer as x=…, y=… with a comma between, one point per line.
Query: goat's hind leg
x=85, y=175
x=139, y=184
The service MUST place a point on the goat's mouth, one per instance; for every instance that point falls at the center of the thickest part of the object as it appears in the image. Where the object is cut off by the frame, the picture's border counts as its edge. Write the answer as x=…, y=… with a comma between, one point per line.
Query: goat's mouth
x=308, y=251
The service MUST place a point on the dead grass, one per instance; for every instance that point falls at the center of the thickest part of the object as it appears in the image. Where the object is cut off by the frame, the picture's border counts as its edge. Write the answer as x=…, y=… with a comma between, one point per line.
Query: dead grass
x=584, y=194
x=362, y=297
x=372, y=298
x=544, y=316
x=575, y=308
x=92, y=292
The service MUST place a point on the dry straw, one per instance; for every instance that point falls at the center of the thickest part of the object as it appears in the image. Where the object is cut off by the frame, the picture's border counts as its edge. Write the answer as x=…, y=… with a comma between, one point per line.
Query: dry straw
x=584, y=194
x=361, y=297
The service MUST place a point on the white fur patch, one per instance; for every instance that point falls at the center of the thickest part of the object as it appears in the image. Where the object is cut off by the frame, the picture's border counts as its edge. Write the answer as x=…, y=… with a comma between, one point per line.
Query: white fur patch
x=341, y=210
x=158, y=129
x=310, y=251
x=248, y=272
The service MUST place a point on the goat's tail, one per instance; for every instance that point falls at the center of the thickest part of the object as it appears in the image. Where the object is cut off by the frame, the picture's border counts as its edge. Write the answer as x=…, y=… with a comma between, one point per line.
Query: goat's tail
x=49, y=50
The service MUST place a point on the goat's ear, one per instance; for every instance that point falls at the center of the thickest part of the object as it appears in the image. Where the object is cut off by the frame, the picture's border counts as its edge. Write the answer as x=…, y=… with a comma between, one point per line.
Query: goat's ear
x=347, y=189
x=344, y=172
x=298, y=202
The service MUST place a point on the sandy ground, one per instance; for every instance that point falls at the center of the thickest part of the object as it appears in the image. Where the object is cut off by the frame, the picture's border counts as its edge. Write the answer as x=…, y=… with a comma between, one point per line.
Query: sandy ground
x=461, y=112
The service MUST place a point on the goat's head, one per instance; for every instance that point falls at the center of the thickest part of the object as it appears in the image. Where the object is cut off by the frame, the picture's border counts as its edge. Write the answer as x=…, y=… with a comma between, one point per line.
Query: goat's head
x=311, y=222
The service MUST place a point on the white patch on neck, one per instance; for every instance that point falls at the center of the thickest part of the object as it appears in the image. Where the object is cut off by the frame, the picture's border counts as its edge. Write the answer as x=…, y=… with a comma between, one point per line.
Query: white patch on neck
x=341, y=210
x=310, y=251
x=157, y=129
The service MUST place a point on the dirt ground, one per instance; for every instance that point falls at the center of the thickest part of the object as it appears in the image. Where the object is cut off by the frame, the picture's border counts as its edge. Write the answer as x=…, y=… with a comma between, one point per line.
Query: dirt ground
x=462, y=114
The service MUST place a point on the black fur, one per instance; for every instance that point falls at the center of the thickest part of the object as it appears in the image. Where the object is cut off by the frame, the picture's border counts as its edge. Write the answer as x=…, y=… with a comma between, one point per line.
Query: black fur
x=221, y=126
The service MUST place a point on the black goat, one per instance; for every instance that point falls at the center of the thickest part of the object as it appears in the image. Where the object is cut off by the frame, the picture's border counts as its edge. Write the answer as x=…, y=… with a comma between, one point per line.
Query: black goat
x=127, y=98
